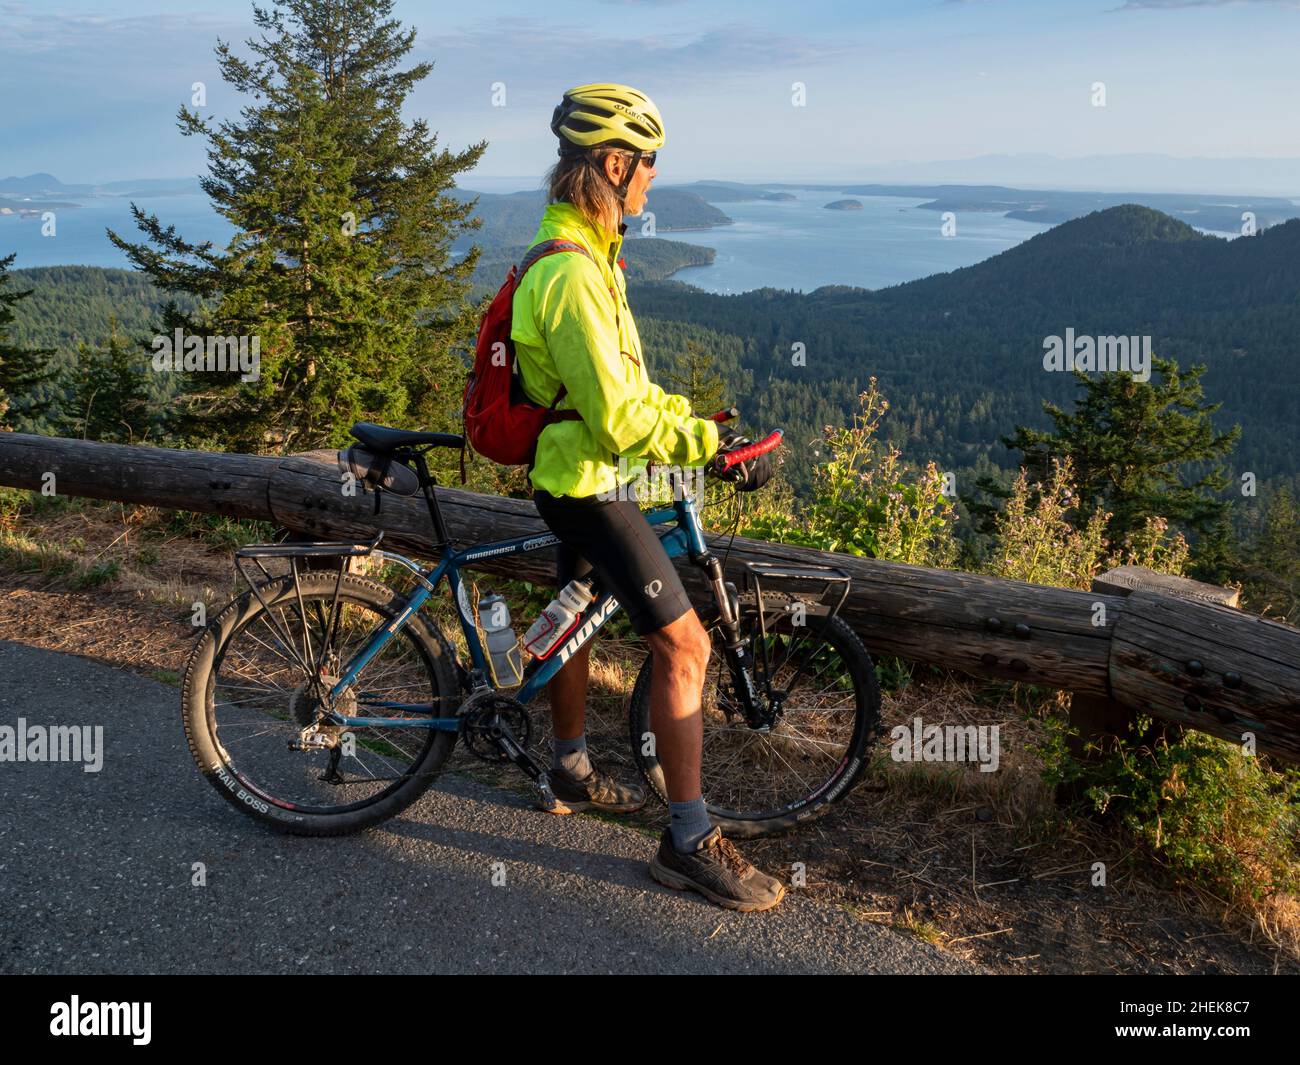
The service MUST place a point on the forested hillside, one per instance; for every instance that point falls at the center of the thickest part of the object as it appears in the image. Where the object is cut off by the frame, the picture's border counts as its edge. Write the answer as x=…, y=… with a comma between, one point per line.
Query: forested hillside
x=71, y=306
x=510, y=221
x=960, y=355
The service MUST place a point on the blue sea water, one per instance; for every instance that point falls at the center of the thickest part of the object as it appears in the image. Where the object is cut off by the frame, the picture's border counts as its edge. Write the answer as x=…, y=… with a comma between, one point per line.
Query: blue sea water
x=794, y=244
x=799, y=244
x=79, y=237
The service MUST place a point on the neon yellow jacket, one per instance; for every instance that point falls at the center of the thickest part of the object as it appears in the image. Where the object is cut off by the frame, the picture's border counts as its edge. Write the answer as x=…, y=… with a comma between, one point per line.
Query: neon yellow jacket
x=572, y=326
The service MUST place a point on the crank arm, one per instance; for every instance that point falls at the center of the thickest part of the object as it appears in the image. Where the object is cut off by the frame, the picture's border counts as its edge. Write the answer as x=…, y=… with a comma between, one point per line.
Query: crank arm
x=509, y=746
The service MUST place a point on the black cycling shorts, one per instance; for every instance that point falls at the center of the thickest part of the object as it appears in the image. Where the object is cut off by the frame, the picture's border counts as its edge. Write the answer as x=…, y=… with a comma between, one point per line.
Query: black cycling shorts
x=613, y=538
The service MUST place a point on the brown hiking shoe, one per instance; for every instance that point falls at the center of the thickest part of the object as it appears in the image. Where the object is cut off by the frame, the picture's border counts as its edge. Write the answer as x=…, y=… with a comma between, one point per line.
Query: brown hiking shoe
x=595, y=791
x=717, y=871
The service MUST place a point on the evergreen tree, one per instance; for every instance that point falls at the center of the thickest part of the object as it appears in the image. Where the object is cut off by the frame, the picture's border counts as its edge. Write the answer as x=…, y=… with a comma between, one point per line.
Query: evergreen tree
x=340, y=266
x=1216, y=557
x=110, y=392
x=692, y=375
x=1272, y=559
x=1130, y=443
x=24, y=372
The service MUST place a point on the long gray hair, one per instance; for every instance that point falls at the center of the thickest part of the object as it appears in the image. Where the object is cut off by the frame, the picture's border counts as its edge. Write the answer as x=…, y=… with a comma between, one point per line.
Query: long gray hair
x=581, y=181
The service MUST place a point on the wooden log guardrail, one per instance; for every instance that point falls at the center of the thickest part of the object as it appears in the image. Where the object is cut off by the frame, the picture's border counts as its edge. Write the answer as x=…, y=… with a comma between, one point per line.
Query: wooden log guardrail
x=1186, y=659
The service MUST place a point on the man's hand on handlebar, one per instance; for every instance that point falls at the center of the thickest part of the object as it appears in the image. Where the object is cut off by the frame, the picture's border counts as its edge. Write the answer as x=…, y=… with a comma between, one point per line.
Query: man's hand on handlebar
x=742, y=462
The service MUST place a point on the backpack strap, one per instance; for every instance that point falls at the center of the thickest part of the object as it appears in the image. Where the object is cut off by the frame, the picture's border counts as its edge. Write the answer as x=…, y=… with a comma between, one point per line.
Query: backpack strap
x=540, y=251
x=545, y=248
x=563, y=415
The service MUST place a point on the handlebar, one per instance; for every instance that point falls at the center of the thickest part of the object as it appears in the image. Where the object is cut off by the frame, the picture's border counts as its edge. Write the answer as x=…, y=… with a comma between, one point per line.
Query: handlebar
x=725, y=415
x=743, y=454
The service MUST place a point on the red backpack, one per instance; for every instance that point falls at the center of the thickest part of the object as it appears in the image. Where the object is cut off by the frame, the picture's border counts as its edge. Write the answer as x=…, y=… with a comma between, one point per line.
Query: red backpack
x=501, y=423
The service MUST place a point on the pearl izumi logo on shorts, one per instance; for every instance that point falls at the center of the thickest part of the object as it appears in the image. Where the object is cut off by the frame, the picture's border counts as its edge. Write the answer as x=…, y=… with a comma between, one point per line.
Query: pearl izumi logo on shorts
x=102, y=1018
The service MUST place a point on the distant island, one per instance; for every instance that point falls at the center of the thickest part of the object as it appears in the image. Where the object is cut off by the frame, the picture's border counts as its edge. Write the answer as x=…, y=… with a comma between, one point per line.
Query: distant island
x=1047, y=207
x=731, y=192
x=30, y=208
x=843, y=205
x=646, y=258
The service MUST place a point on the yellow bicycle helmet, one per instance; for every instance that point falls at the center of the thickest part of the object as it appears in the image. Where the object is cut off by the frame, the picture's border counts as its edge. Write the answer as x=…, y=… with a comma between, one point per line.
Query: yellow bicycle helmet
x=607, y=114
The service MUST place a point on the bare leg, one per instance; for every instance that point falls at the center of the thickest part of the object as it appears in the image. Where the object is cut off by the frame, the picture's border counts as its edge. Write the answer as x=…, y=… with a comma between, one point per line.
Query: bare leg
x=567, y=691
x=681, y=656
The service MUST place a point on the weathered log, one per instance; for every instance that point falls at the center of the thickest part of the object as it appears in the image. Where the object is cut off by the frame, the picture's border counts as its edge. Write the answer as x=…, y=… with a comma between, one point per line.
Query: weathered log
x=1103, y=722
x=1209, y=667
x=1138, y=655
x=1125, y=580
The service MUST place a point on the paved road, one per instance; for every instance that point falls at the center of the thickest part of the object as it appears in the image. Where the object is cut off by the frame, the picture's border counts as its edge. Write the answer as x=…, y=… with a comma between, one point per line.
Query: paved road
x=95, y=872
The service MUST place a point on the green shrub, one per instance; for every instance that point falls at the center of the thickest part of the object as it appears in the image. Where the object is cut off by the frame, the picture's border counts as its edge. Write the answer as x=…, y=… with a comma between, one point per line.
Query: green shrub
x=1213, y=814
x=218, y=530
x=1037, y=540
x=865, y=501
x=96, y=576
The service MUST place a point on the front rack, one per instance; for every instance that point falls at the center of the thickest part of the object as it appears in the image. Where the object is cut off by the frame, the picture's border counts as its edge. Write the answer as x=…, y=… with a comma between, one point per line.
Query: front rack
x=830, y=578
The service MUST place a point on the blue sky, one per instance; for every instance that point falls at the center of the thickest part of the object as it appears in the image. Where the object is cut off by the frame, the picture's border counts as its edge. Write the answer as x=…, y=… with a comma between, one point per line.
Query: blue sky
x=90, y=89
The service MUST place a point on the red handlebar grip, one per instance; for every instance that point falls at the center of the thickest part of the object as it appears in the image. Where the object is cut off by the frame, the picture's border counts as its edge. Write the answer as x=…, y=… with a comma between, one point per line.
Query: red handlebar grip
x=743, y=454
x=724, y=415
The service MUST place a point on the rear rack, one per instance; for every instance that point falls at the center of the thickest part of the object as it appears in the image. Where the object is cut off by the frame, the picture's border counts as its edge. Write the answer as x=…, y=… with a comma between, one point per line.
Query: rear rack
x=310, y=661
x=295, y=551
x=312, y=547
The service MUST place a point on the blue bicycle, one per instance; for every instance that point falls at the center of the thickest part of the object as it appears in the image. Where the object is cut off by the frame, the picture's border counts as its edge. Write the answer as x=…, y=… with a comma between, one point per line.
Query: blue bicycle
x=322, y=701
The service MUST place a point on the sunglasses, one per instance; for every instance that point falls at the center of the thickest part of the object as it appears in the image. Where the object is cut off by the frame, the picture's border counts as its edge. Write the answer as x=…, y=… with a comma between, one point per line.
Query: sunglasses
x=648, y=158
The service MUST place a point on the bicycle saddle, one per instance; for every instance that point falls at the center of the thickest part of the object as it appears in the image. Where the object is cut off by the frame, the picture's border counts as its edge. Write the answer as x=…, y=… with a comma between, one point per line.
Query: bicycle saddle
x=380, y=438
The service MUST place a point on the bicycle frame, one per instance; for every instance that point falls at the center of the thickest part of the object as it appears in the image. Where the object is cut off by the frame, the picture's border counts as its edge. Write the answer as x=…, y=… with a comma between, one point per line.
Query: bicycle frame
x=686, y=538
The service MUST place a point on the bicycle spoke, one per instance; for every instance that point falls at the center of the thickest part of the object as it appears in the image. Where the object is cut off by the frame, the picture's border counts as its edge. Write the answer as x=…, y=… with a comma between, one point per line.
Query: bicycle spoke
x=745, y=769
x=266, y=700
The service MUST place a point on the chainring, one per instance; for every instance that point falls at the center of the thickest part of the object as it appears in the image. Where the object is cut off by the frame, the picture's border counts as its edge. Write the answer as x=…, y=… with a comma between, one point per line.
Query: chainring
x=481, y=713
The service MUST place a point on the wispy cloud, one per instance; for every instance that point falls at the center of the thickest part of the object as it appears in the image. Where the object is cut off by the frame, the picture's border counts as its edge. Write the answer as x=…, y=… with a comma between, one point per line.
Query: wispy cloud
x=1149, y=5
x=26, y=29
x=534, y=46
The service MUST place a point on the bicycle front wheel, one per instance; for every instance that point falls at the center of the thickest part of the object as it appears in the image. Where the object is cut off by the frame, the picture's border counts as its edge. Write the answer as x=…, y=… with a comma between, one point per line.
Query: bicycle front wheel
x=763, y=783
x=261, y=730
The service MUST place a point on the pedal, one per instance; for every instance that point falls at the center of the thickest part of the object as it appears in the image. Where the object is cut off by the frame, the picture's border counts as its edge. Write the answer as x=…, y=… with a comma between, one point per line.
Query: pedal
x=547, y=801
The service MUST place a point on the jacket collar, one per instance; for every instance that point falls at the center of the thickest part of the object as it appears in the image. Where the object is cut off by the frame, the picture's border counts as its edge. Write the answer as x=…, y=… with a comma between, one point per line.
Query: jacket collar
x=599, y=241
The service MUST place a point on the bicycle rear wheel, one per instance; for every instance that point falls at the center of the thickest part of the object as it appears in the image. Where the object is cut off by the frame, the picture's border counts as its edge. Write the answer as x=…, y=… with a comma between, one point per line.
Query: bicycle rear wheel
x=763, y=783
x=249, y=697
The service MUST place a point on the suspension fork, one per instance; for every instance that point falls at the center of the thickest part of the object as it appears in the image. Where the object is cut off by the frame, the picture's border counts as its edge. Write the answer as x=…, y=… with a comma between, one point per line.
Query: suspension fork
x=736, y=647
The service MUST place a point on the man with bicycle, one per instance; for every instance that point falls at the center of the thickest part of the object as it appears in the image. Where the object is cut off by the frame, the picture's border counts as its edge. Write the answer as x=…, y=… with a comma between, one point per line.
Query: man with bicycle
x=574, y=335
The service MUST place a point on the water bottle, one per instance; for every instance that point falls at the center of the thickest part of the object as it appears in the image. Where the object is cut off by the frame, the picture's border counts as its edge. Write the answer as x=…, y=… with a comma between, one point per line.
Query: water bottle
x=504, y=659
x=559, y=619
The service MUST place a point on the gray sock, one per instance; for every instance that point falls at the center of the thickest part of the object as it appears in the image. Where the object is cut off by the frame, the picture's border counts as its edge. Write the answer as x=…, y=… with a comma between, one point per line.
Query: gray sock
x=690, y=824
x=571, y=755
